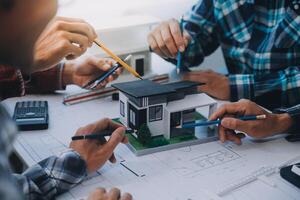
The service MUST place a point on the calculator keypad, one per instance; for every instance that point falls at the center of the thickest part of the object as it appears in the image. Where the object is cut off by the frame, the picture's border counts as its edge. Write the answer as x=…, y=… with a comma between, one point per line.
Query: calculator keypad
x=31, y=109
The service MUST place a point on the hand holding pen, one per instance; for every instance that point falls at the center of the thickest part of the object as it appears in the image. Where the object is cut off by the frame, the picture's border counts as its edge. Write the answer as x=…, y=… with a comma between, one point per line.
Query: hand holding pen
x=95, y=152
x=167, y=38
x=97, y=81
x=268, y=124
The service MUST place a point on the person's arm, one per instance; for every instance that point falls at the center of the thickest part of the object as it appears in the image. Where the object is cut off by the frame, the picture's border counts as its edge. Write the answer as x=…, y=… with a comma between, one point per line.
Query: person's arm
x=11, y=82
x=277, y=88
x=199, y=38
x=273, y=90
x=45, y=81
x=57, y=174
x=294, y=113
x=52, y=176
x=273, y=123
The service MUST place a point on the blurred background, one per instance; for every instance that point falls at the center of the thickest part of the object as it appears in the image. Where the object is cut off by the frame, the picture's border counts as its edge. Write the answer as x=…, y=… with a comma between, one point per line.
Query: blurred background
x=107, y=14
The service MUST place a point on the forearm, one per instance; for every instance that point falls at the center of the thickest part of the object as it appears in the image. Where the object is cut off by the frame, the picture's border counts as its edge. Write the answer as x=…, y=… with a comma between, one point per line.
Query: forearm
x=52, y=176
x=46, y=81
x=272, y=90
x=292, y=115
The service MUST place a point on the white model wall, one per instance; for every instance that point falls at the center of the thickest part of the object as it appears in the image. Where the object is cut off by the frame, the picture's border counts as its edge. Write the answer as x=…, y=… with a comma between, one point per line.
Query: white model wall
x=157, y=127
x=124, y=99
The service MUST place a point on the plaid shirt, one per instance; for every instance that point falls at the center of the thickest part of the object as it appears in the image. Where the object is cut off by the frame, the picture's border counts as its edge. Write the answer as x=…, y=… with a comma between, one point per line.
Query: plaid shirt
x=44, y=180
x=260, y=40
x=13, y=83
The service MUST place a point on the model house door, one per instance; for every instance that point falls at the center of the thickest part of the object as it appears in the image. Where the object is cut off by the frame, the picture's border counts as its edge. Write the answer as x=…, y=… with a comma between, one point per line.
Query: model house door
x=136, y=117
x=176, y=119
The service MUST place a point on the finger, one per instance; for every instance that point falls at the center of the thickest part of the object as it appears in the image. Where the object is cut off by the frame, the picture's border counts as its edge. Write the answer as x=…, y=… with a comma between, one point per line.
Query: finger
x=95, y=67
x=187, y=38
x=154, y=46
x=236, y=124
x=106, y=123
x=97, y=194
x=231, y=108
x=126, y=196
x=72, y=51
x=116, y=138
x=168, y=40
x=222, y=134
x=231, y=136
x=79, y=39
x=113, y=159
x=205, y=88
x=114, y=194
x=161, y=44
x=115, y=76
x=99, y=63
x=72, y=20
x=80, y=28
x=196, y=77
x=69, y=19
x=125, y=140
x=177, y=35
x=109, y=79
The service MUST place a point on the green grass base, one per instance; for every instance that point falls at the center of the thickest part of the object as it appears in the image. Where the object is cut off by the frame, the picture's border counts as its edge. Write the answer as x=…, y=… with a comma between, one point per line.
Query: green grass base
x=159, y=140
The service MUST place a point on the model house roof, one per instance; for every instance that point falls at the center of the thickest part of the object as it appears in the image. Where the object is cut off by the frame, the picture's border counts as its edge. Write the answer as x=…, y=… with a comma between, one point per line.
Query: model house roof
x=182, y=85
x=143, y=88
x=147, y=88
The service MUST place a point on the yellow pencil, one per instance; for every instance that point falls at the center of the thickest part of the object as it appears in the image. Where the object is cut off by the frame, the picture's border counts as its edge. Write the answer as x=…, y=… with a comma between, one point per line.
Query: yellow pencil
x=116, y=58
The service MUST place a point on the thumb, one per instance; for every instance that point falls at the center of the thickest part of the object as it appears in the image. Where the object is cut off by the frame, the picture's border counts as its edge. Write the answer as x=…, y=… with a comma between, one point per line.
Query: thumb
x=235, y=124
x=116, y=138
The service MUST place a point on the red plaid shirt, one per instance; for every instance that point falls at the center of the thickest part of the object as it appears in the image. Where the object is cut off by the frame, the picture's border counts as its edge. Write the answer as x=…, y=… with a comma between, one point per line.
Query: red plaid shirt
x=13, y=83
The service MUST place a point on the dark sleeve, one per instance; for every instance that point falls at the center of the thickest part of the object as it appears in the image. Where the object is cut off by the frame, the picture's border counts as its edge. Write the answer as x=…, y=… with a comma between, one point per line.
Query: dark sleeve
x=45, y=82
x=294, y=112
x=11, y=82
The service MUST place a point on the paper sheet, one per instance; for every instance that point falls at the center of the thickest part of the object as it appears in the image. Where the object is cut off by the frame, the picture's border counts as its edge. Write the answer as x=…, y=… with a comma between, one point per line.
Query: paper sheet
x=196, y=172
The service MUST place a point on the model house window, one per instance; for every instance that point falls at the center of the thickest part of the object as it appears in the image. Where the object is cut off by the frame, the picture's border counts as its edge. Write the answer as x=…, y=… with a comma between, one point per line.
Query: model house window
x=122, y=108
x=132, y=117
x=139, y=66
x=155, y=113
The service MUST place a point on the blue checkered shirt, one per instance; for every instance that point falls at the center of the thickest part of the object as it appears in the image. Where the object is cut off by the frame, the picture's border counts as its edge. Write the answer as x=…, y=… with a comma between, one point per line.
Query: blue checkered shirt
x=260, y=40
x=46, y=179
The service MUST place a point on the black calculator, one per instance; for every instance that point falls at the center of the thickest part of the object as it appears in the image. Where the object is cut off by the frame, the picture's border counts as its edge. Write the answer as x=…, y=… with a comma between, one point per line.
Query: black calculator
x=31, y=115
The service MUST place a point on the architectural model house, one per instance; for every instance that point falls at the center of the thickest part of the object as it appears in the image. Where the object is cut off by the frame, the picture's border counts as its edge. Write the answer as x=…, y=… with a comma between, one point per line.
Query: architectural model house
x=164, y=108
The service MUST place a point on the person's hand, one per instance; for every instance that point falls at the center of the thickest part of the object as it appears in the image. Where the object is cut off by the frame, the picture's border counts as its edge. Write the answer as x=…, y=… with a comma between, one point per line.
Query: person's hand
x=215, y=84
x=113, y=194
x=273, y=124
x=82, y=72
x=167, y=38
x=94, y=152
x=63, y=38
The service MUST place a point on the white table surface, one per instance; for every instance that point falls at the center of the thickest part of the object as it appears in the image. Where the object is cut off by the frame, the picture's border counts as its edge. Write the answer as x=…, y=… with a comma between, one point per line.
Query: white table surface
x=175, y=174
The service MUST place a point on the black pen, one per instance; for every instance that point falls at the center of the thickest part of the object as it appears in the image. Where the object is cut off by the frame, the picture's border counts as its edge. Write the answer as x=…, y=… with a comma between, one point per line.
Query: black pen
x=94, y=83
x=96, y=136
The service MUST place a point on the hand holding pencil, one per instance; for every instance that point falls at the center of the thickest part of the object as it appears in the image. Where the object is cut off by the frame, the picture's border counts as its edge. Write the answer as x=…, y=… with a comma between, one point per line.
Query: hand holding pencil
x=117, y=59
x=270, y=125
x=96, y=152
